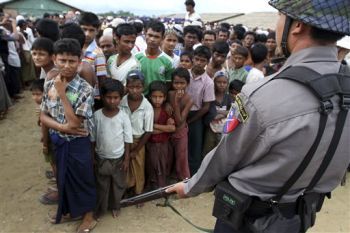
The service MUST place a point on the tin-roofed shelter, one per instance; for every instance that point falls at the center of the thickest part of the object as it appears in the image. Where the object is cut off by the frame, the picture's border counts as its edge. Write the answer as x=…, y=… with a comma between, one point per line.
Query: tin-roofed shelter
x=35, y=8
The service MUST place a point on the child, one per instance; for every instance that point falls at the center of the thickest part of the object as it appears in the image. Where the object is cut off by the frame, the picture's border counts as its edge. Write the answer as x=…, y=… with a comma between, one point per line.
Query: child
x=168, y=46
x=238, y=58
x=235, y=88
x=157, y=147
x=37, y=90
x=66, y=106
x=111, y=137
x=201, y=90
x=181, y=103
x=42, y=53
x=140, y=112
x=223, y=103
x=258, y=53
x=186, y=60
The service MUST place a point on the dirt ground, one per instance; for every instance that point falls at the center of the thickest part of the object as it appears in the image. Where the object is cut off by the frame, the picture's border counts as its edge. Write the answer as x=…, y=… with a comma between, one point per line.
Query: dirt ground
x=22, y=181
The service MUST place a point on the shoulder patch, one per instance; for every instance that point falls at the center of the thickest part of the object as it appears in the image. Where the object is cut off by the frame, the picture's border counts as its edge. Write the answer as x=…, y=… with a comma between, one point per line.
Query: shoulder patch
x=232, y=120
x=242, y=112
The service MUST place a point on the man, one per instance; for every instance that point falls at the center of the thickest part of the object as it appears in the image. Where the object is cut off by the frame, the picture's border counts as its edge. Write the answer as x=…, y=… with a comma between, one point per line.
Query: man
x=223, y=34
x=248, y=39
x=155, y=64
x=120, y=64
x=218, y=58
x=108, y=45
x=192, y=36
x=191, y=15
x=209, y=38
x=262, y=150
x=93, y=54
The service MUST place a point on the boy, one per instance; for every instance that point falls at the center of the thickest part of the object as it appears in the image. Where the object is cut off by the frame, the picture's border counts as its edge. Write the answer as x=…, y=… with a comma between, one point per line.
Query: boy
x=155, y=64
x=238, y=58
x=259, y=54
x=181, y=103
x=218, y=58
x=120, y=64
x=168, y=46
x=192, y=35
x=67, y=104
x=90, y=24
x=42, y=53
x=235, y=88
x=201, y=90
x=140, y=112
x=111, y=137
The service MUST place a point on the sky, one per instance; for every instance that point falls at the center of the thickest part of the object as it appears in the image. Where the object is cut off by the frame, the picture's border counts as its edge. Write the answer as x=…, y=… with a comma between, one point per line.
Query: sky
x=163, y=7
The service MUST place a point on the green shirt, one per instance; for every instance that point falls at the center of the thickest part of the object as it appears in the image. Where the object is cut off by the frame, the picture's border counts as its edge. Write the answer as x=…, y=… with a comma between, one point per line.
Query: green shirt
x=240, y=74
x=155, y=68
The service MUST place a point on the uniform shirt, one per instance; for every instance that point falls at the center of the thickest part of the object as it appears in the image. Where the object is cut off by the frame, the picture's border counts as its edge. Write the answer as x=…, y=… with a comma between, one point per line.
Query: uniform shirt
x=80, y=95
x=280, y=120
x=201, y=89
x=110, y=134
x=141, y=119
x=155, y=68
x=120, y=72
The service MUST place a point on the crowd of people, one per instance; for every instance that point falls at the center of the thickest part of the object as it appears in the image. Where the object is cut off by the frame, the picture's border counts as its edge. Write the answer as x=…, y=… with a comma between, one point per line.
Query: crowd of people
x=130, y=106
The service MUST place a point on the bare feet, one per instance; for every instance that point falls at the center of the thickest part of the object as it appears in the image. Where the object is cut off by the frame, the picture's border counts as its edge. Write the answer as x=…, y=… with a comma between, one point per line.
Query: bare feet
x=115, y=213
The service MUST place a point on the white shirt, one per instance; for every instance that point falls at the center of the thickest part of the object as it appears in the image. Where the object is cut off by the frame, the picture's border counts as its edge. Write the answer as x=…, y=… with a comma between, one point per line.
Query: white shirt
x=141, y=118
x=110, y=134
x=254, y=75
x=120, y=72
x=189, y=18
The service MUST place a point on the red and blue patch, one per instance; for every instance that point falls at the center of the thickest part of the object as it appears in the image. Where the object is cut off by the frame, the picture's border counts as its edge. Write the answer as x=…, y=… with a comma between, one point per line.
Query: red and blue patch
x=231, y=121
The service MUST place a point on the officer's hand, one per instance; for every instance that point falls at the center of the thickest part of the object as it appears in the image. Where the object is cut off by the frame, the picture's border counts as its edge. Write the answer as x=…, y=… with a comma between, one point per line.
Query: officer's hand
x=178, y=188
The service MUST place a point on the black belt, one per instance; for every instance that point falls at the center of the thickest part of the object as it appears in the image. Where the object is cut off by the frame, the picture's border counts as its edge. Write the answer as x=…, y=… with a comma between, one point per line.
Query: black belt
x=260, y=208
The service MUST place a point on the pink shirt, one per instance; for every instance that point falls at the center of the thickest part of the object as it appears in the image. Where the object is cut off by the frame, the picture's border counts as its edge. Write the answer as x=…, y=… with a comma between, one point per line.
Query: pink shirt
x=201, y=89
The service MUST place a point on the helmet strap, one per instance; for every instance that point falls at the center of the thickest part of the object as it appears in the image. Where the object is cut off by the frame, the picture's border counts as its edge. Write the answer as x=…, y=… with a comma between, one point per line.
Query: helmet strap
x=287, y=25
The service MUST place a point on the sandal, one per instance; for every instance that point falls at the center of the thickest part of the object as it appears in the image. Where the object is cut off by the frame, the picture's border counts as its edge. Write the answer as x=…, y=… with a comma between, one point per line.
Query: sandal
x=91, y=226
x=64, y=219
x=49, y=174
x=46, y=200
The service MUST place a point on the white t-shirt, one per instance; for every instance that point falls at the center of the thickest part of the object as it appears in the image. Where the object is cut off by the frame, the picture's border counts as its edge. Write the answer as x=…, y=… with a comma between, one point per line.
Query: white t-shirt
x=120, y=72
x=190, y=18
x=176, y=61
x=110, y=134
x=254, y=75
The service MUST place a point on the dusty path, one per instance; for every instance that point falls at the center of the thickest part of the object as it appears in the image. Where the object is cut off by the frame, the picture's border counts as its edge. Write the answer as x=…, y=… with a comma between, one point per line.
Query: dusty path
x=22, y=180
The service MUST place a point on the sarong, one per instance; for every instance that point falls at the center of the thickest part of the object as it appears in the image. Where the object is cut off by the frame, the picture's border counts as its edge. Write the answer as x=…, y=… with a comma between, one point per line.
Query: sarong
x=75, y=176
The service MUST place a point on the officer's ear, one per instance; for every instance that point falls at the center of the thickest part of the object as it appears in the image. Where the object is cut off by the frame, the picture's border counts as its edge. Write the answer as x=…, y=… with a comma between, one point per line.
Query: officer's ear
x=298, y=28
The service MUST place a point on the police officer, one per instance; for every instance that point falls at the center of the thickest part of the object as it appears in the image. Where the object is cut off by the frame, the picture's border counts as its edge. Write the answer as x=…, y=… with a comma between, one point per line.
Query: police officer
x=273, y=123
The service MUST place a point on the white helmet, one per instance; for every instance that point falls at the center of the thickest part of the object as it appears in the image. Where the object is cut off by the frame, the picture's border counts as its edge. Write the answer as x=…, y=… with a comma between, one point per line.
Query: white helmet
x=344, y=42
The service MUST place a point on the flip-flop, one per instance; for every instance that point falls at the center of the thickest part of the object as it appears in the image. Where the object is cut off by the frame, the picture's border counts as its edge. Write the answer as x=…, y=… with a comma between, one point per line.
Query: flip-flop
x=46, y=200
x=88, y=229
x=49, y=174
